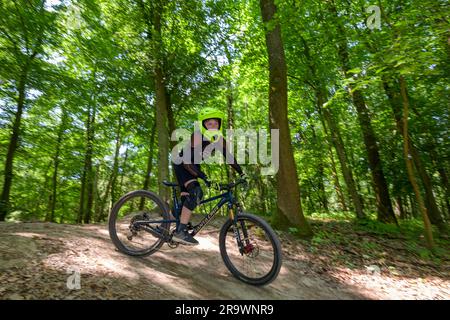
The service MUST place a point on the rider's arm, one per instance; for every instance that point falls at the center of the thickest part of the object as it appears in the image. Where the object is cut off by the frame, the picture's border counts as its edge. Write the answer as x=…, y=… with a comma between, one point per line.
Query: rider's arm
x=194, y=170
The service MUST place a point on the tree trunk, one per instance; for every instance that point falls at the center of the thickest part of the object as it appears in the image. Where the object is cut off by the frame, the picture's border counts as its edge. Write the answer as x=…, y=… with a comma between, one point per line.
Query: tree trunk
x=440, y=167
x=289, y=209
x=230, y=101
x=150, y=158
x=400, y=208
x=89, y=170
x=430, y=200
x=113, y=184
x=337, y=185
x=56, y=160
x=90, y=176
x=13, y=142
x=334, y=132
x=86, y=192
x=340, y=151
x=445, y=186
x=115, y=169
x=170, y=117
x=320, y=172
x=172, y=127
x=383, y=200
x=230, y=124
x=149, y=163
x=309, y=199
x=409, y=167
x=161, y=104
x=98, y=197
x=396, y=102
x=63, y=213
x=322, y=193
x=82, y=195
x=412, y=203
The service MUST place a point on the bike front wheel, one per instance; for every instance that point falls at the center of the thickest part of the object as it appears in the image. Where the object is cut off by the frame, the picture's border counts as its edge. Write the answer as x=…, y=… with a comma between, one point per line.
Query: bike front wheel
x=250, y=249
x=138, y=223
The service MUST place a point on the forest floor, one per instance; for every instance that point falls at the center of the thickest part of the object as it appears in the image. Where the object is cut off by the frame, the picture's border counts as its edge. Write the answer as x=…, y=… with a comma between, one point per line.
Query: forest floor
x=342, y=261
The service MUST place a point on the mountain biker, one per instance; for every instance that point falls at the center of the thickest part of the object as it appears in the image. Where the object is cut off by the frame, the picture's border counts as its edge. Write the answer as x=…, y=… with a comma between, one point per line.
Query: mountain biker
x=187, y=172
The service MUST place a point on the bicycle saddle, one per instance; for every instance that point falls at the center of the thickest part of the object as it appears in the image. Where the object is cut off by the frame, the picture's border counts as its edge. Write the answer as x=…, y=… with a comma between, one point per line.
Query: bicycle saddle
x=170, y=184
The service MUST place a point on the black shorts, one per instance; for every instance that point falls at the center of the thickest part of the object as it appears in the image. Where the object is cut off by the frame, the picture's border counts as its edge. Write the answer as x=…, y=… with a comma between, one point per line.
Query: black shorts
x=183, y=175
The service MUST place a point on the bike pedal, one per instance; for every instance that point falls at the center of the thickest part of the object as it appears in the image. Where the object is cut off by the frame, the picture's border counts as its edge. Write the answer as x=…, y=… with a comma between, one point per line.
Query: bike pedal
x=173, y=244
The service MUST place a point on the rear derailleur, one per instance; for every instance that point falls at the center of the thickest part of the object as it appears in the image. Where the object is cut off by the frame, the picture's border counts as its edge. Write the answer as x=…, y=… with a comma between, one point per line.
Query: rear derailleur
x=133, y=228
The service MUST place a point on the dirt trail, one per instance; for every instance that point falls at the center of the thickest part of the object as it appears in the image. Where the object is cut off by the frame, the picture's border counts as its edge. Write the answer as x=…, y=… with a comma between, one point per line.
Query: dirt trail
x=36, y=260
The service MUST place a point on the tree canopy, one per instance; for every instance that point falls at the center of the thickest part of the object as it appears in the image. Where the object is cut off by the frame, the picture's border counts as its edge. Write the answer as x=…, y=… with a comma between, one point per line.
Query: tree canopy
x=90, y=92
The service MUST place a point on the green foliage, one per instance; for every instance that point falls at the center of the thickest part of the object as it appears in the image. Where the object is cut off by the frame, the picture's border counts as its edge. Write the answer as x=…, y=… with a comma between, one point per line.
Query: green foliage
x=376, y=227
x=93, y=62
x=321, y=238
x=336, y=215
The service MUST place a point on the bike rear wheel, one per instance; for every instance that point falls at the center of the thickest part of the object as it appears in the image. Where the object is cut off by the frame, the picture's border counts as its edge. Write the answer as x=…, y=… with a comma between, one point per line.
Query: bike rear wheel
x=257, y=260
x=127, y=225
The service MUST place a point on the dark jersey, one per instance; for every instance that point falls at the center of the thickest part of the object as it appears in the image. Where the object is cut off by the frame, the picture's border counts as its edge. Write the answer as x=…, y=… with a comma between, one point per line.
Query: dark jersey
x=198, y=152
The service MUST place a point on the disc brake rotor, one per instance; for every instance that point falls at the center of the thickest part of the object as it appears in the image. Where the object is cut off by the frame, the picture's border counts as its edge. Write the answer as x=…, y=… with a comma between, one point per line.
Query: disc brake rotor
x=251, y=250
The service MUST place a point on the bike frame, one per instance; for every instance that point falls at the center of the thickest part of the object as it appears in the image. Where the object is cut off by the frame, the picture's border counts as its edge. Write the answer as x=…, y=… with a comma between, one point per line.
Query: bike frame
x=226, y=197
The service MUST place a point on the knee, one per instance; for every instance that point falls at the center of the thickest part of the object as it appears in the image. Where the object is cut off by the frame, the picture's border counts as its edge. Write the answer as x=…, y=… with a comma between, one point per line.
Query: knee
x=195, y=195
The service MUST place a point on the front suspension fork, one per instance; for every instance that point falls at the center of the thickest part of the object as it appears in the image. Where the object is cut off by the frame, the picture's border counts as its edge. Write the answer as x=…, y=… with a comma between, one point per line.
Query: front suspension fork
x=244, y=241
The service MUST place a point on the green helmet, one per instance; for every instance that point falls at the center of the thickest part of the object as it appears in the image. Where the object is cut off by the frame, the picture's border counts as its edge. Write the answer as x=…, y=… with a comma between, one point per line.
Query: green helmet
x=211, y=113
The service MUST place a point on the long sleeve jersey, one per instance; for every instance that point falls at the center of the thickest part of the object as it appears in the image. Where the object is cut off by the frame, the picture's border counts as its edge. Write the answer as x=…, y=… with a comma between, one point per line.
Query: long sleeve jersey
x=194, y=144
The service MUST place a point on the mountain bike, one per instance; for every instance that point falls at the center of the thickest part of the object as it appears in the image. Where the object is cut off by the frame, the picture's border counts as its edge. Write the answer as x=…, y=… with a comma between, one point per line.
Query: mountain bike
x=140, y=222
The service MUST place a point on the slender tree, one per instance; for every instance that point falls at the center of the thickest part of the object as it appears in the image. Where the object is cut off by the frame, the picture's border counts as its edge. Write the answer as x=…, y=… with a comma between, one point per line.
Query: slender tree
x=25, y=29
x=383, y=200
x=289, y=209
x=409, y=166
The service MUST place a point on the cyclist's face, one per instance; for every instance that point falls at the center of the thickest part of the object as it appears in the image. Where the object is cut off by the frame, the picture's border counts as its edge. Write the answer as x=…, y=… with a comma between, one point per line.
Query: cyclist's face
x=212, y=124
